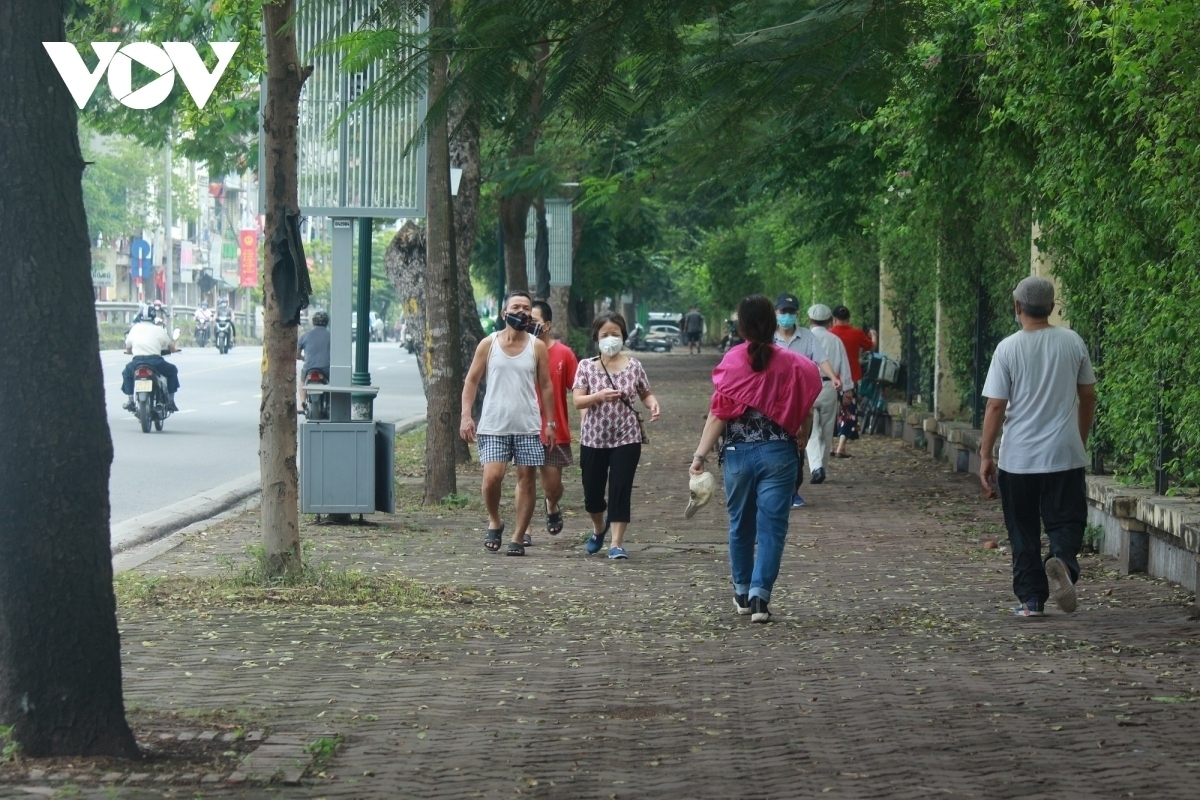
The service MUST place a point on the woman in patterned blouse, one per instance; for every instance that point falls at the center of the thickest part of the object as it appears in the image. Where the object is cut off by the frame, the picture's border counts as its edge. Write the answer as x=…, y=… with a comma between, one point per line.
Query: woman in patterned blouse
x=610, y=438
x=762, y=404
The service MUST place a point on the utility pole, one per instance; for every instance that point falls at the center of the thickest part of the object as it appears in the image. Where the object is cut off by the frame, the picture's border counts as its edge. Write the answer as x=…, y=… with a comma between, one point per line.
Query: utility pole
x=168, y=247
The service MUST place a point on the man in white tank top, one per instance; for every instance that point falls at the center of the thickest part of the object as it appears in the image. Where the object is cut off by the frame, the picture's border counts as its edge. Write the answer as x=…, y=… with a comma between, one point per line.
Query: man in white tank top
x=515, y=366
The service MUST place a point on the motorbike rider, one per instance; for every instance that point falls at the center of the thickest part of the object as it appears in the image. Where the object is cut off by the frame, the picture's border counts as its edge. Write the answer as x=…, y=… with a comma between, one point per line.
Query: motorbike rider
x=313, y=350
x=225, y=313
x=202, y=313
x=145, y=342
x=160, y=314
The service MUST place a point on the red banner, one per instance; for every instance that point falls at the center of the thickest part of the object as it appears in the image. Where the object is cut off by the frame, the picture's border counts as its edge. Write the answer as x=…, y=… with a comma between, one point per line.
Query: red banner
x=248, y=257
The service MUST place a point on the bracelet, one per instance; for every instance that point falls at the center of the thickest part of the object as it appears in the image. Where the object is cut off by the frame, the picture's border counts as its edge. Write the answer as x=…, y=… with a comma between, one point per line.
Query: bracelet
x=700, y=458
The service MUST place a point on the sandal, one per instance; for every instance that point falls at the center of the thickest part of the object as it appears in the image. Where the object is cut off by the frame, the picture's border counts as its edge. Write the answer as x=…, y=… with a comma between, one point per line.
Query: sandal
x=554, y=521
x=493, y=538
x=527, y=540
x=514, y=549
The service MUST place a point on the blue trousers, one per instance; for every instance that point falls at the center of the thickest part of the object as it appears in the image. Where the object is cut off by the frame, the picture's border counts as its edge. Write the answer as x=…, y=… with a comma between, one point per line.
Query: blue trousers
x=759, y=480
x=164, y=367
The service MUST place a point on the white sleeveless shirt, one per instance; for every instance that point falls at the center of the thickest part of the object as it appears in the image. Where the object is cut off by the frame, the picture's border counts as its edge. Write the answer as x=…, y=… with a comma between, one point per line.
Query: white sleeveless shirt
x=510, y=405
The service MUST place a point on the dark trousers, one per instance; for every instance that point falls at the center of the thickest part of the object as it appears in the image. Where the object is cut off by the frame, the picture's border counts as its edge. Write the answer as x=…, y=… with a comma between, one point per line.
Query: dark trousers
x=612, y=468
x=1057, y=500
x=164, y=367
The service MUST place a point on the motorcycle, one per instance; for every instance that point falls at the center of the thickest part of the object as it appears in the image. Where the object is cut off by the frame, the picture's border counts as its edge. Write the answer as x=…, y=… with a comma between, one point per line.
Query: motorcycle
x=316, y=404
x=408, y=342
x=150, y=395
x=202, y=333
x=731, y=337
x=223, y=338
x=639, y=341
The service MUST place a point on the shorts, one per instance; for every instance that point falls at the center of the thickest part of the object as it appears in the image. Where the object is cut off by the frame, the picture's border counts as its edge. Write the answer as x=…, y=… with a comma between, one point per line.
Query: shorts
x=693, y=337
x=559, y=456
x=523, y=449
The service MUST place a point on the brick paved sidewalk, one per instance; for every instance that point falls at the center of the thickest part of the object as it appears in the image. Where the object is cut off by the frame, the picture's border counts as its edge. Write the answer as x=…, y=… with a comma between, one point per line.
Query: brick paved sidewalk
x=892, y=668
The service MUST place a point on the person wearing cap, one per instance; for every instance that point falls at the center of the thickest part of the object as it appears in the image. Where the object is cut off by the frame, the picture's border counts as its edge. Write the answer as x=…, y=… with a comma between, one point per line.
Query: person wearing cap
x=801, y=340
x=825, y=410
x=855, y=342
x=1040, y=387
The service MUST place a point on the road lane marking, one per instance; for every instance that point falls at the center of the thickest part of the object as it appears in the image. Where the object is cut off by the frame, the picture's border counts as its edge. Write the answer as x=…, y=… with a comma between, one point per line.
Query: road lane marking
x=186, y=411
x=229, y=402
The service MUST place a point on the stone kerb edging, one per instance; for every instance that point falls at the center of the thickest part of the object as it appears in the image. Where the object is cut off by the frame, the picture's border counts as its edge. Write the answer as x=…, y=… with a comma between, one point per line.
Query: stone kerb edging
x=1147, y=533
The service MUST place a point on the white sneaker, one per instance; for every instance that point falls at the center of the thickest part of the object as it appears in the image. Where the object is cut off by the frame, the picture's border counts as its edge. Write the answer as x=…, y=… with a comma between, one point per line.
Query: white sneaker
x=1061, y=588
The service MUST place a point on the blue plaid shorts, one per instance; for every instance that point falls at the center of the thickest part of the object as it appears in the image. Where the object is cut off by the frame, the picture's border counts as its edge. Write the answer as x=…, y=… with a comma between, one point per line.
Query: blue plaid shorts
x=525, y=450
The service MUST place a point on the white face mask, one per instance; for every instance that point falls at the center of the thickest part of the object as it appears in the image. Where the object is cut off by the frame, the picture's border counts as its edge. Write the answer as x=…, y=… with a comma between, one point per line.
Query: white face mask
x=610, y=345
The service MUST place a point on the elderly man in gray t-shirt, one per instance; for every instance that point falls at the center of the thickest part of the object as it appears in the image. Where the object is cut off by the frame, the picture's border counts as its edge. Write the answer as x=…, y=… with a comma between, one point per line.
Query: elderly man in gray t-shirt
x=1035, y=378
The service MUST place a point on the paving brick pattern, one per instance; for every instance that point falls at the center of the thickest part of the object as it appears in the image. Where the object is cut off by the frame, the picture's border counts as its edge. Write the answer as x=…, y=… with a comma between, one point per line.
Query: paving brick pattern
x=892, y=668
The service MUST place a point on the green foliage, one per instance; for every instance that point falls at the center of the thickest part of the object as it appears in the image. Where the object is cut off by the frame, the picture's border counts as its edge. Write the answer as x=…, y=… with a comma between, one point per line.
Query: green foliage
x=10, y=748
x=323, y=749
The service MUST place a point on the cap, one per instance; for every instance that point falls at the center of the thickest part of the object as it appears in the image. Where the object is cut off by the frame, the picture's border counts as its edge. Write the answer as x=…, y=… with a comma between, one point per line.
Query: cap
x=700, y=490
x=1035, y=292
x=786, y=301
x=819, y=313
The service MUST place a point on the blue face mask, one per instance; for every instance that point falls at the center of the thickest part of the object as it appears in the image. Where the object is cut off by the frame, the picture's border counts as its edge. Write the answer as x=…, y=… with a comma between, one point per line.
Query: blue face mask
x=786, y=320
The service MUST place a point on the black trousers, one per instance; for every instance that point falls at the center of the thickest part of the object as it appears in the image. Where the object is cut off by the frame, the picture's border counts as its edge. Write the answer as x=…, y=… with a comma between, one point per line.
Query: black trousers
x=612, y=468
x=1057, y=500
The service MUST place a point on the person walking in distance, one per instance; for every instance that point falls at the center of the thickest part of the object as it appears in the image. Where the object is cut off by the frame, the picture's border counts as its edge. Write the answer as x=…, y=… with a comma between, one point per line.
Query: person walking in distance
x=1041, y=388
x=516, y=367
x=762, y=405
x=692, y=327
x=825, y=410
x=562, y=364
x=611, y=435
x=855, y=342
x=800, y=340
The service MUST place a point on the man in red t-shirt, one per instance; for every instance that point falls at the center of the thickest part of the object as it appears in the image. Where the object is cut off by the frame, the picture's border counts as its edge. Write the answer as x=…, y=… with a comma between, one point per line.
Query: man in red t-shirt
x=855, y=341
x=558, y=453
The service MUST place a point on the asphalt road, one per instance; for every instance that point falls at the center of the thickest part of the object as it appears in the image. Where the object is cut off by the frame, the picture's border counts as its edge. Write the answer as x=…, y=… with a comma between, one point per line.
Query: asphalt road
x=214, y=437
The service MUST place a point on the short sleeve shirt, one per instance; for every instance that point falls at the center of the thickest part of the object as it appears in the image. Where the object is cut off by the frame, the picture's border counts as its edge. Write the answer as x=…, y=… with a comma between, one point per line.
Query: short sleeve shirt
x=1039, y=374
x=147, y=339
x=563, y=364
x=314, y=343
x=804, y=343
x=611, y=424
x=855, y=342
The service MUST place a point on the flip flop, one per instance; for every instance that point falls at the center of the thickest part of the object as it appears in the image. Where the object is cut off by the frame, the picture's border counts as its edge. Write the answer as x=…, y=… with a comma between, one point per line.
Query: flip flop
x=514, y=549
x=554, y=521
x=493, y=538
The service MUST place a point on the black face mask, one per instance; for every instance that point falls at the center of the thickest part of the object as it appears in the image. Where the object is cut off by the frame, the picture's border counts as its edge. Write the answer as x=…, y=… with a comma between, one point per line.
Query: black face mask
x=518, y=322
x=535, y=329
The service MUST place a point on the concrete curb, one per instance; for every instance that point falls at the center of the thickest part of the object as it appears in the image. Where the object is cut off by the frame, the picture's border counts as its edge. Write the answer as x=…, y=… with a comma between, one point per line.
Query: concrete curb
x=155, y=525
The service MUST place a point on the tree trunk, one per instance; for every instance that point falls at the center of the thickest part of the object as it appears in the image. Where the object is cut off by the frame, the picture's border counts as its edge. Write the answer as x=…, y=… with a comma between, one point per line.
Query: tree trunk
x=514, y=217
x=464, y=155
x=541, y=251
x=277, y=411
x=443, y=360
x=60, y=660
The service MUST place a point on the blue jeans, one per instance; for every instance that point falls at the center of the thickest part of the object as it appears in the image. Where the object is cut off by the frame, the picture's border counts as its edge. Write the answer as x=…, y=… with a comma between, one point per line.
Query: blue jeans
x=759, y=480
x=164, y=368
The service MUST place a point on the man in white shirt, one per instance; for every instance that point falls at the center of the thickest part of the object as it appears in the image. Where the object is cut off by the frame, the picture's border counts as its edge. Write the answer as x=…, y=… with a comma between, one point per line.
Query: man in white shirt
x=800, y=340
x=145, y=342
x=825, y=409
x=1033, y=382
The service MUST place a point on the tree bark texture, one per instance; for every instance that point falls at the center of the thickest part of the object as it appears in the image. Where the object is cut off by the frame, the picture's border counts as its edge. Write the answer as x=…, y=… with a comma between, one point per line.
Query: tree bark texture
x=541, y=251
x=443, y=361
x=60, y=665
x=514, y=217
x=277, y=411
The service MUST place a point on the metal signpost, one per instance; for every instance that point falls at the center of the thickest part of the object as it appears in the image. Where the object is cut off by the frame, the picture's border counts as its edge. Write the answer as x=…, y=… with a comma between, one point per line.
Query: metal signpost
x=350, y=168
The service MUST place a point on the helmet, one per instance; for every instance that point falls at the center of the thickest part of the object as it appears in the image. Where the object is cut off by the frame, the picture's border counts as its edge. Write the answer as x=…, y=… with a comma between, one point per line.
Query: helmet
x=148, y=314
x=320, y=318
x=222, y=302
x=204, y=304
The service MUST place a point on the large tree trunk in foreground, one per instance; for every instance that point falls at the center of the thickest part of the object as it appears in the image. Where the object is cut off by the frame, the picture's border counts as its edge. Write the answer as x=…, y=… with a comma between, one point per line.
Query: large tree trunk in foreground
x=277, y=412
x=443, y=363
x=514, y=218
x=60, y=660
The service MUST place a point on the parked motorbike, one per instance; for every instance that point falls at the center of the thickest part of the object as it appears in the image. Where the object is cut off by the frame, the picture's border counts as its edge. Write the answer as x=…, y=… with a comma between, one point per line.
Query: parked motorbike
x=202, y=333
x=642, y=342
x=316, y=404
x=150, y=395
x=731, y=338
x=223, y=337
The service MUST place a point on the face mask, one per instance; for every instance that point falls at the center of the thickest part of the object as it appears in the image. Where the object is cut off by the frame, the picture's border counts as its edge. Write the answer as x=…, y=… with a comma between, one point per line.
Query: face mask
x=535, y=329
x=610, y=345
x=518, y=322
x=786, y=320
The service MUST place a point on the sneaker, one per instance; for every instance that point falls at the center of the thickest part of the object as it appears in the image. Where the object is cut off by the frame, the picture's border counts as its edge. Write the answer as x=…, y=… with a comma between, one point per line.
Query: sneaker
x=596, y=540
x=797, y=502
x=740, y=604
x=818, y=475
x=171, y=406
x=1030, y=608
x=617, y=552
x=1061, y=588
x=758, y=610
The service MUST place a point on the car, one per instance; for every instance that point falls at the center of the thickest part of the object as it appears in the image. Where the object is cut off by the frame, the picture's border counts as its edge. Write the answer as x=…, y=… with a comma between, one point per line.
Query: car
x=670, y=331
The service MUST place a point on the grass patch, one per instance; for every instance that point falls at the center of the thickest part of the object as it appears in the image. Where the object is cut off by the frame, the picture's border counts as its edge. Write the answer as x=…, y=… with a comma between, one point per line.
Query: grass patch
x=251, y=585
x=410, y=453
x=323, y=749
x=10, y=748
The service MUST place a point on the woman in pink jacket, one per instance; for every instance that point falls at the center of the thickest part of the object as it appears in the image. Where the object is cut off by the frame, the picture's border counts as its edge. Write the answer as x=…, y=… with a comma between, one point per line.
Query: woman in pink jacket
x=762, y=405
